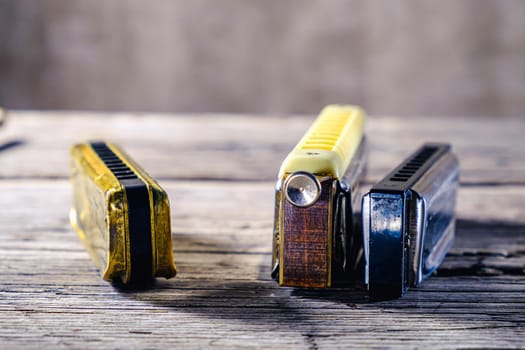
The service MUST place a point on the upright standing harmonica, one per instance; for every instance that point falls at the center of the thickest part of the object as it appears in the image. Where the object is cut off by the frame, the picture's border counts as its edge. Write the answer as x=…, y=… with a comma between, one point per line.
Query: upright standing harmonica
x=408, y=221
x=314, y=241
x=121, y=215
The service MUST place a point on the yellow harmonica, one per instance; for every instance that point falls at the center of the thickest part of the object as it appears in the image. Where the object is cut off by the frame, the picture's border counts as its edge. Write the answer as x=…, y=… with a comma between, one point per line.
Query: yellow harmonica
x=121, y=215
x=315, y=241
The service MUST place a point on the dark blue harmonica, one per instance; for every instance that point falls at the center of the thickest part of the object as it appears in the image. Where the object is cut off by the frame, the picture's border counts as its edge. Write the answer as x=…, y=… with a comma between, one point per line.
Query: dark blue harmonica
x=409, y=221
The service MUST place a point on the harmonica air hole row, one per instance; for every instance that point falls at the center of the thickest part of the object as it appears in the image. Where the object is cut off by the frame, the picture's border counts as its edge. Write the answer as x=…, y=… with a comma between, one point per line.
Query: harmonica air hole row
x=113, y=162
x=415, y=163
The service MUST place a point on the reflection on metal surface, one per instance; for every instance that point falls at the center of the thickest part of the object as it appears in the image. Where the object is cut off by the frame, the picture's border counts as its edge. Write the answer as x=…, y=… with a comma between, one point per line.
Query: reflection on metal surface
x=408, y=221
x=302, y=189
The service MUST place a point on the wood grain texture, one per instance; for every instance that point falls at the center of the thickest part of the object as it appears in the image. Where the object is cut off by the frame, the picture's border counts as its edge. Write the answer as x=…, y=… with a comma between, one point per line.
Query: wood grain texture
x=234, y=147
x=306, y=242
x=51, y=295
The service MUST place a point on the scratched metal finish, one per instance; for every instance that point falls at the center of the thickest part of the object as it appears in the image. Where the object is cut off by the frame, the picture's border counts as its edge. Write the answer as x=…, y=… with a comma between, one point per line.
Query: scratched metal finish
x=387, y=244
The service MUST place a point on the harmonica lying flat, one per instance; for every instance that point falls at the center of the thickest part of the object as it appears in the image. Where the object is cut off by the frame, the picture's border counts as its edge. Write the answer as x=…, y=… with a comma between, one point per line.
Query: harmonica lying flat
x=121, y=215
x=314, y=240
x=409, y=221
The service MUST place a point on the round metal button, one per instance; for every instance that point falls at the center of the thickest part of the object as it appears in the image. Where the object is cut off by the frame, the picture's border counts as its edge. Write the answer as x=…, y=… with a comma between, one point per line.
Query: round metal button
x=302, y=189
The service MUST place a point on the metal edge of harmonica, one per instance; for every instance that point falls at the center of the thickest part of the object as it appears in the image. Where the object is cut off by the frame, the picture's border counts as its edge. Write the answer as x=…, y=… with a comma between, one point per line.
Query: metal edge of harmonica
x=139, y=247
x=88, y=175
x=412, y=198
x=435, y=194
x=342, y=205
x=121, y=180
x=163, y=261
x=351, y=208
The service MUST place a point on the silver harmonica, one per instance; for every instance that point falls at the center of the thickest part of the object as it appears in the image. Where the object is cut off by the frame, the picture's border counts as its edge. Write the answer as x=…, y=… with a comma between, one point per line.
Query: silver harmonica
x=409, y=221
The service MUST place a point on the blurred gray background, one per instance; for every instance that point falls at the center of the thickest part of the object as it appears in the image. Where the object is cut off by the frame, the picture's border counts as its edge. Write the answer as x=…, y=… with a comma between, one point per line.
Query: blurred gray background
x=413, y=57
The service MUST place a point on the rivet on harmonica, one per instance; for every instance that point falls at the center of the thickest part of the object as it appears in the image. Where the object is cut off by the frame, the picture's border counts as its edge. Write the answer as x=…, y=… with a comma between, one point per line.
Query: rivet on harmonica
x=315, y=243
x=121, y=215
x=409, y=221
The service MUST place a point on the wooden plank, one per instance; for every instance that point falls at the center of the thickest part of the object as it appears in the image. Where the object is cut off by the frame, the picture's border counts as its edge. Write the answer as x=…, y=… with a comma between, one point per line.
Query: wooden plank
x=236, y=313
x=233, y=147
x=233, y=210
x=52, y=296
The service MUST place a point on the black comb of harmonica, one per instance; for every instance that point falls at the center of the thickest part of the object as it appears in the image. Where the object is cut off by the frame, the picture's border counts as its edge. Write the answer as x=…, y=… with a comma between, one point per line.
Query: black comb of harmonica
x=113, y=162
x=138, y=209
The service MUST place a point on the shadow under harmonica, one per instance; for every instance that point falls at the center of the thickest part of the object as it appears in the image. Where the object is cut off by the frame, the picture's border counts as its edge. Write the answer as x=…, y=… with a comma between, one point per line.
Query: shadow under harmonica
x=201, y=288
x=485, y=248
x=350, y=296
x=212, y=281
x=209, y=284
x=6, y=146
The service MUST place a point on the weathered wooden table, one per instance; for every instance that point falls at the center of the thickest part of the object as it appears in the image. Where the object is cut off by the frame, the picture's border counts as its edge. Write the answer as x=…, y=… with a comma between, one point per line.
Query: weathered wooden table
x=219, y=171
